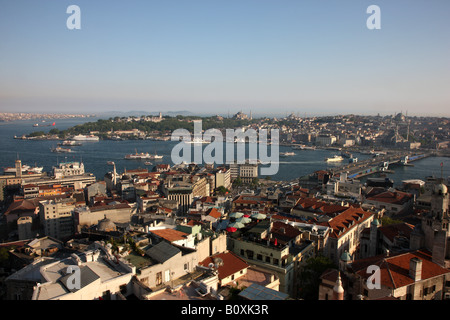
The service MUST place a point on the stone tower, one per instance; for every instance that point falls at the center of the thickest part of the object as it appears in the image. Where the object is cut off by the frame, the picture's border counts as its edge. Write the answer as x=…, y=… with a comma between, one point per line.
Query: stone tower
x=18, y=168
x=374, y=237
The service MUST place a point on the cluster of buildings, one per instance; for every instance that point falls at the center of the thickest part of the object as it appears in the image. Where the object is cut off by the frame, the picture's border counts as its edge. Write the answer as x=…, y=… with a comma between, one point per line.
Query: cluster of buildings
x=184, y=232
x=396, y=131
x=13, y=116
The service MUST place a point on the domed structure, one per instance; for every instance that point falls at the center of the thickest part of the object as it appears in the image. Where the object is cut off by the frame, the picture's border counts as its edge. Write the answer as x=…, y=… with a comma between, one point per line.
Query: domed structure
x=346, y=256
x=440, y=189
x=106, y=225
x=376, y=223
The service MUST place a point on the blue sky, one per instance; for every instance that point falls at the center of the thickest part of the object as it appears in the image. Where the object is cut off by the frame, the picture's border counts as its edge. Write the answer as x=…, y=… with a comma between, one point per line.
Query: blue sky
x=217, y=56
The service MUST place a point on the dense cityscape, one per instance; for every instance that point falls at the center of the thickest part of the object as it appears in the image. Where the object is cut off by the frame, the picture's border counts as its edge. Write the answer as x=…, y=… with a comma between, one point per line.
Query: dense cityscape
x=225, y=158
x=197, y=231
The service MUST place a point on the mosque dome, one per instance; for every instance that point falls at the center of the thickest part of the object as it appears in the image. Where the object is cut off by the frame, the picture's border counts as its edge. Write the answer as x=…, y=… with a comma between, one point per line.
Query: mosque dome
x=106, y=225
x=440, y=189
x=346, y=256
x=376, y=222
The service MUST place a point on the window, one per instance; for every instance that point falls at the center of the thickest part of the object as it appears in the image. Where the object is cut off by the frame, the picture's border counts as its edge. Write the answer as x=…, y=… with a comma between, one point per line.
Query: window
x=259, y=257
x=158, y=278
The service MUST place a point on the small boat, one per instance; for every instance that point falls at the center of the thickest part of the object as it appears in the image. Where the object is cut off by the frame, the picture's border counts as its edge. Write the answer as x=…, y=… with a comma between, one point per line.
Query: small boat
x=304, y=147
x=287, y=154
x=335, y=158
x=36, y=125
x=61, y=150
x=148, y=163
x=70, y=143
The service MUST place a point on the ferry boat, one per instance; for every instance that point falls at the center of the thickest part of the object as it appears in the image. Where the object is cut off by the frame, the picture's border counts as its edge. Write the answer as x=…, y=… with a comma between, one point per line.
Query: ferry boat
x=25, y=169
x=155, y=157
x=61, y=150
x=82, y=137
x=70, y=143
x=197, y=141
x=303, y=147
x=138, y=156
x=287, y=154
x=336, y=158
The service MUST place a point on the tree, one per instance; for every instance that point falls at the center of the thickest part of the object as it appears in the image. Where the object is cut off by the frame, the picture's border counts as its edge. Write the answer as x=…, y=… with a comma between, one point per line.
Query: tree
x=387, y=221
x=309, y=278
x=237, y=182
x=222, y=190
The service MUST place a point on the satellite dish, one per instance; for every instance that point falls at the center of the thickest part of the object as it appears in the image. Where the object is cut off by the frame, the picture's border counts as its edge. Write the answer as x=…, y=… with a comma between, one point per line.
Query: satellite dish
x=211, y=265
x=218, y=262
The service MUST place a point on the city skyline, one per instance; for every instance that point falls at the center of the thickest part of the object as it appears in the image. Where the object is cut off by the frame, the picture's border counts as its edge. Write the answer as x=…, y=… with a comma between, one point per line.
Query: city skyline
x=271, y=58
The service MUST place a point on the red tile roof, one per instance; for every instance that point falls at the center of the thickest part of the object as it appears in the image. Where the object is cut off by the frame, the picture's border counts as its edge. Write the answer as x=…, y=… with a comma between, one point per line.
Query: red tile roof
x=396, y=197
x=213, y=212
x=170, y=234
x=284, y=232
x=317, y=206
x=399, y=229
x=346, y=220
x=394, y=270
x=231, y=264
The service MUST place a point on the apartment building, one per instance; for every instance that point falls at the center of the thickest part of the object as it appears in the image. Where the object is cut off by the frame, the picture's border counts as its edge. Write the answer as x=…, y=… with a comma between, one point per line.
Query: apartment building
x=56, y=217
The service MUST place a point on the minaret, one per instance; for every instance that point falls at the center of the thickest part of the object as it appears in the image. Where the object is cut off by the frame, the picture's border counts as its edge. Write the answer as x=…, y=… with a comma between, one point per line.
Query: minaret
x=338, y=290
x=18, y=168
x=373, y=237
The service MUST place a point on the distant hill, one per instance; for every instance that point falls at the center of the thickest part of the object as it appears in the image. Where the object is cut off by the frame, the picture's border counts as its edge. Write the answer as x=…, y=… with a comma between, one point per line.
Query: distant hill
x=110, y=114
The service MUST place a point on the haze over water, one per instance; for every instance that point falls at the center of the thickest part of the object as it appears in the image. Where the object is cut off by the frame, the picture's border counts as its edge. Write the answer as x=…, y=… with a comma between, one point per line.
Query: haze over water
x=95, y=155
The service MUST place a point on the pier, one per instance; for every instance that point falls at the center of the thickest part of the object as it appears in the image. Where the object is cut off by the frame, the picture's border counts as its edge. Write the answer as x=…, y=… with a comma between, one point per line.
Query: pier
x=378, y=164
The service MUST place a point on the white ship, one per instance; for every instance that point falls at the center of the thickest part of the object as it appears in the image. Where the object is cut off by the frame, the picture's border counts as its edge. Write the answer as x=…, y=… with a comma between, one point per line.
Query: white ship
x=197, y=141
x=70, y=143
x=287, y=154
x=61, y=150
x=138, y=156
x=82, y=137
x=25, y=169
x=303, y=147
x=155, y=157
x=336, y=158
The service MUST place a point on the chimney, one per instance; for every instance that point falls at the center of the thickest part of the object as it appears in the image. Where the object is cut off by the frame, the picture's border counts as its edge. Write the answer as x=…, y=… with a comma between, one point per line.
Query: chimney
x=415, y=269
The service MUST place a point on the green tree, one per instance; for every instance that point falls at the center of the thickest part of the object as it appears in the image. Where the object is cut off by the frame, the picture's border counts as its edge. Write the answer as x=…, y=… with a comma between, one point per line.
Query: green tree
x=237, y=182
x=387, y=221
x=310, y=276
x=222, y=190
